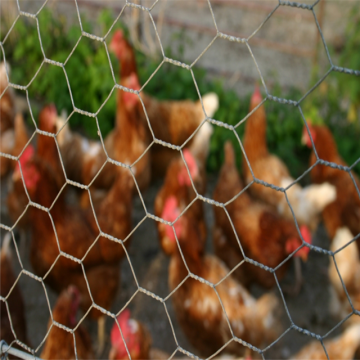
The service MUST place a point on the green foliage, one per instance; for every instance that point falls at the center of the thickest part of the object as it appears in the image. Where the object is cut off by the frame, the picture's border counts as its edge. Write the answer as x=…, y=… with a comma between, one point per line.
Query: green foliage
x=87, y=69
x=91, y=82
x=350, y=57
x=327, y=107
x=25, y=51
x=284, y=133
x=284, y=130
x=231, y=111
x=326, y=110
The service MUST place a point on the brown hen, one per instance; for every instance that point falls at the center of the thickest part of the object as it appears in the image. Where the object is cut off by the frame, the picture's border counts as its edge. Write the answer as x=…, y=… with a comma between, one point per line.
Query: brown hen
x=138, y=340
x=7, y=107
x=77, y=230
x=264, y=235
x=345, y=209
x=197, y=305
x=12, y=142
x=307, y=203
x=60, y=343
x=348, y=265
x=342, y=347
x=14, y=300
x=178, y=184
x=171, y=121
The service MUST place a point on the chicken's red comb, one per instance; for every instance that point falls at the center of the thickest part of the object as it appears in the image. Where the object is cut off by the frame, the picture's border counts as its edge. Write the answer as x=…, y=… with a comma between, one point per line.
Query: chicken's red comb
x=51, y=111
x=30, y=173
x=256, y=97
x=305, y=138
x=26, y=156
x=189, y=158
x=170, y=213
x=311, y=128
x=304, y=251
x=74, y=291
x=123, y=319
x=132, y=82
x=170, y=207
x=47, y=118
x=116, y=39
x=192, y=165
x=118, y=35
x=129, y=332
x=306, y=234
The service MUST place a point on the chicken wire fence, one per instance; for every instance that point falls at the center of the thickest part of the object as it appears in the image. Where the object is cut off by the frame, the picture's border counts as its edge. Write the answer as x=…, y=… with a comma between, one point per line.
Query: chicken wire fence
x=5, y=349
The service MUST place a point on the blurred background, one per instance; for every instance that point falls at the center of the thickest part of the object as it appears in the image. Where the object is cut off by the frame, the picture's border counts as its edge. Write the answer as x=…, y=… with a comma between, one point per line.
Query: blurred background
x=288, y=49
x=291, y=57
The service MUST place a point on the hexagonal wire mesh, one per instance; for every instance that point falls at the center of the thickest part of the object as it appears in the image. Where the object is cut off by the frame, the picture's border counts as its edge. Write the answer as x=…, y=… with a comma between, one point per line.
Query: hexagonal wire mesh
x=269, y=97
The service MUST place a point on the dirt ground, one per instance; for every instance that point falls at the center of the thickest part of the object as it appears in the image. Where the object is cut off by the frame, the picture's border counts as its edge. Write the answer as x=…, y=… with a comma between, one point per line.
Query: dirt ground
x=309, y=309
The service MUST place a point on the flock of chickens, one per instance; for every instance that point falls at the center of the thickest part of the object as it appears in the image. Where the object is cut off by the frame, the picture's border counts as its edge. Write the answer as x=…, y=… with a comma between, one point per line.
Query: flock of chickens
x=212, y=304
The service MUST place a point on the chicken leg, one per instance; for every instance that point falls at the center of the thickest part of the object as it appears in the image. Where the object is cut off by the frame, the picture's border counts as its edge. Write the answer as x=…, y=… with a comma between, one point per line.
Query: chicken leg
x=101, y=335
x=293, y=290
x=298, y=276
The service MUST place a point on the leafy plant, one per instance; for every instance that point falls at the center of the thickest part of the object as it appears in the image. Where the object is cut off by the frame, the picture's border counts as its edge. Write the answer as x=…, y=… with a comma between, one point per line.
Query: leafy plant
x=91, y=82
x=350, y=58
x=87, y=69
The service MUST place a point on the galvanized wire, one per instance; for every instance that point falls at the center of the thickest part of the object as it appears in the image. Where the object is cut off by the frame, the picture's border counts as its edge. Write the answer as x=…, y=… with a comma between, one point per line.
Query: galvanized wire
x=269, y=97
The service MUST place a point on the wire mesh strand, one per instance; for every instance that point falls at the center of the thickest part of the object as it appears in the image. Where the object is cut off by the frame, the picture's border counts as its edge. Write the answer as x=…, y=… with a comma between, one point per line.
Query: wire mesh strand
x=216, y=122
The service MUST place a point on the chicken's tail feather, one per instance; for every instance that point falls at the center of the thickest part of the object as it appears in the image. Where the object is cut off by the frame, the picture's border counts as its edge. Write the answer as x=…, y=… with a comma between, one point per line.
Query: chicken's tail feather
x=5, y=248
x=200, y=145
x=307, y=202
x=211, y=103
x=63, y=125
x=352, y=334
x=4, y=68
x=267, y=311
x=320, y=195
x=342, y=237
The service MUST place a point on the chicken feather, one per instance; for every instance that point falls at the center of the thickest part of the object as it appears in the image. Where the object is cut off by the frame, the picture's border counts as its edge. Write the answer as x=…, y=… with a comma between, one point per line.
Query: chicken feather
x=264, y=235
x=345, y=209
x=307, y=203
x=342, y=347
x=197, y=305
